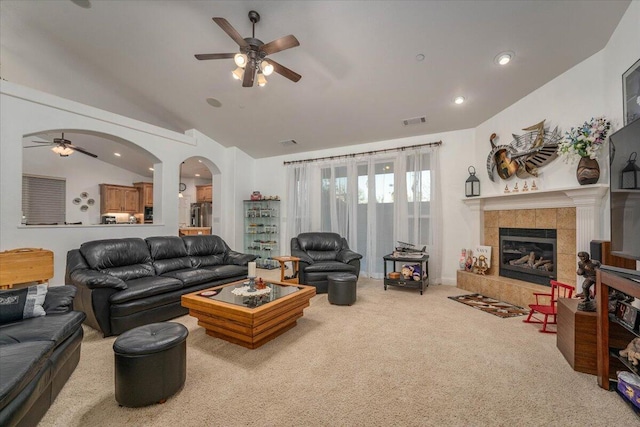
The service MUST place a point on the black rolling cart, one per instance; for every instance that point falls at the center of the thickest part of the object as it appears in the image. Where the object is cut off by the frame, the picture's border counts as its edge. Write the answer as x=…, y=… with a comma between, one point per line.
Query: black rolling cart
x=423, y=261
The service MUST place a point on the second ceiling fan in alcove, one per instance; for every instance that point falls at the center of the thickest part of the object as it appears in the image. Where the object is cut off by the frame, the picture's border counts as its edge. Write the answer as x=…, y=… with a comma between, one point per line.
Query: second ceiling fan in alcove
x=62, y=146
x=252, y=58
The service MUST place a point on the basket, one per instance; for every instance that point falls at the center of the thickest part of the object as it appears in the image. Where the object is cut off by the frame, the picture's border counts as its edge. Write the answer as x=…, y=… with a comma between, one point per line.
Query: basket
x=394, y=275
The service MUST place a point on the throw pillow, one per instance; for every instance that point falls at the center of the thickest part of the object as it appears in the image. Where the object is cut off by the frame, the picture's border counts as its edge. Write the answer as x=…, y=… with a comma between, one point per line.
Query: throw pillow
x=18, y=304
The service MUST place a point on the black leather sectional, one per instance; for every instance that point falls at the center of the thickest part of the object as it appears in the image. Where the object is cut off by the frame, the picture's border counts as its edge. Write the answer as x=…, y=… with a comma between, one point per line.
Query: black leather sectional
x=37, y=357
x=125, y=283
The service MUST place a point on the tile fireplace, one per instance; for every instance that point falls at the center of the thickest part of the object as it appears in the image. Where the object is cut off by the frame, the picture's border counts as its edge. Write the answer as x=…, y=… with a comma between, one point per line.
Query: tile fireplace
x=573, y=214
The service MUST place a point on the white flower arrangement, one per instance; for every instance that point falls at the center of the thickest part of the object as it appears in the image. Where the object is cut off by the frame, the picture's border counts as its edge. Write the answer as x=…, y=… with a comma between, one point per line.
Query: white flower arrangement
x=586, y=140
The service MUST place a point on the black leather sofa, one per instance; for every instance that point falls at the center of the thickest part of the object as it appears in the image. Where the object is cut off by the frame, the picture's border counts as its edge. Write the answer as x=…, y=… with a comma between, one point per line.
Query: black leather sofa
x=125, y=283
x=321, y=254
x=37, y=357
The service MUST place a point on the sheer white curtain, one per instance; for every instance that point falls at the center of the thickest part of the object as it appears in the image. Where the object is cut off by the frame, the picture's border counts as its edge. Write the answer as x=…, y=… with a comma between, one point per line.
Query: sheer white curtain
x=373, y=201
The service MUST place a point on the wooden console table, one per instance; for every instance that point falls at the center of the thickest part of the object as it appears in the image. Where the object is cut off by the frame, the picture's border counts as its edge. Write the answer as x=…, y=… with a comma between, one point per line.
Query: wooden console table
x=576, y=337
x=25, y=265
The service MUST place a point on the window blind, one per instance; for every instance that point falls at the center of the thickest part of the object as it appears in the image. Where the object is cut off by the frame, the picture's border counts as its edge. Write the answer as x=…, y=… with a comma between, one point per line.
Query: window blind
x=43, y=199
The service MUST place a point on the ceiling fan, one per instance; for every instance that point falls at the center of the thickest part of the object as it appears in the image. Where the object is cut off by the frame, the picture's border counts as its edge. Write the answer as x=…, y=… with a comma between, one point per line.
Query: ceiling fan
x=251, y=59
x=62, y=146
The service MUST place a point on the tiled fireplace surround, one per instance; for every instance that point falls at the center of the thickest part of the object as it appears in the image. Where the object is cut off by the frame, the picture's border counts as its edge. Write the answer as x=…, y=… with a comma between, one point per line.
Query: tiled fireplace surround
x=573, y=212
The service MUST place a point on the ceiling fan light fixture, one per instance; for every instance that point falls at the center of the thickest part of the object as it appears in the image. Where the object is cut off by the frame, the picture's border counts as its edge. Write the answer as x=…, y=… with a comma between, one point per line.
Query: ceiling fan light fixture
x=262, y=80
x=266, y=68
x=240, y=59
x=238, y=73
x=62, y=151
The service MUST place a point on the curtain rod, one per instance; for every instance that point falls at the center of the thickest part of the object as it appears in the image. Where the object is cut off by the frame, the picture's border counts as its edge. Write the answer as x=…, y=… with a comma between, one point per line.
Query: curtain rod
x=343, y=156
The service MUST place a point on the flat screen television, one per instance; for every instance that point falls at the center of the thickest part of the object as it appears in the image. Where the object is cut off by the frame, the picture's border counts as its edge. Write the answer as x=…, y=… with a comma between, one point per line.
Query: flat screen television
x=624, y=199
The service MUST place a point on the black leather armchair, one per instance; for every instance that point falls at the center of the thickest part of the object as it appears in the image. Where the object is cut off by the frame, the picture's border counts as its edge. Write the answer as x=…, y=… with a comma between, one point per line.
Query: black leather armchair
x=322, y=254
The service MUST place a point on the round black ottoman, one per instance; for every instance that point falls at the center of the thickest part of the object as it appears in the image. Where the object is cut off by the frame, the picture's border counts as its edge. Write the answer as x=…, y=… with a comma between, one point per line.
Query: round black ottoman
x=342, y=288
x=150, y=363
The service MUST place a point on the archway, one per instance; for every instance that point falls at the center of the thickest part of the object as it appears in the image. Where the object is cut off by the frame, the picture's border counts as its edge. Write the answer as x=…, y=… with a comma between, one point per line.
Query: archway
x=83, y=160
x=198, y=200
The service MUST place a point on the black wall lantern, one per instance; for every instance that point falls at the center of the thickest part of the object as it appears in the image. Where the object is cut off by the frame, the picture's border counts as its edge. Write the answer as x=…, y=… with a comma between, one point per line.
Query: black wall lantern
x=631, y=174
x=472, y=185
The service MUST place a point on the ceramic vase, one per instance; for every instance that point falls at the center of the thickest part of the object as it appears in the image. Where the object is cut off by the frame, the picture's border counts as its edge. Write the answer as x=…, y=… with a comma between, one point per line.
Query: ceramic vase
x=588, y=171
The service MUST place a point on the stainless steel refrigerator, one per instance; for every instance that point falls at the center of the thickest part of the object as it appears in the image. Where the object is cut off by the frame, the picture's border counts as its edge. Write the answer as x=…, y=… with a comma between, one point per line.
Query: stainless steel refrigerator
x=201, y=214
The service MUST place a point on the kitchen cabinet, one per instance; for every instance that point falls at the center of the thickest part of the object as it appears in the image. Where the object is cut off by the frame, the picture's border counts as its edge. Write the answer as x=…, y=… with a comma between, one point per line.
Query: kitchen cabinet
x=118, y=198
x=145, y=194
x=204, y=193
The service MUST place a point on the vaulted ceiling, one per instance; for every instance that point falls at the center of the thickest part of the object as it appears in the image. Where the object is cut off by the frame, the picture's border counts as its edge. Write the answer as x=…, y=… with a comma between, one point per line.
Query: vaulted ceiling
x=359, y=61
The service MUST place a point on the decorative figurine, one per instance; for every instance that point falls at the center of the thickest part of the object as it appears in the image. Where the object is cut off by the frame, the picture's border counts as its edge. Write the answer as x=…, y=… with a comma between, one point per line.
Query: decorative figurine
x=587, y=268
x=468, y=266
x=506, y=189
x=524, y=187
x=515, y=188
x=480, y=265
x=533, y=186
x=463, y=258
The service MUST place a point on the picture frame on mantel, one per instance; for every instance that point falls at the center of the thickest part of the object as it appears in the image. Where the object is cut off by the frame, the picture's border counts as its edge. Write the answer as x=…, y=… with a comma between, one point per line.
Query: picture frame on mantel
x=631, y=93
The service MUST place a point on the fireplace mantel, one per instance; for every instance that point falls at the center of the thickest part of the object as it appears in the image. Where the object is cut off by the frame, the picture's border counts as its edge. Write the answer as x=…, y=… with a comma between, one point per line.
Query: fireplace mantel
x=587, y=199
x=586, y=195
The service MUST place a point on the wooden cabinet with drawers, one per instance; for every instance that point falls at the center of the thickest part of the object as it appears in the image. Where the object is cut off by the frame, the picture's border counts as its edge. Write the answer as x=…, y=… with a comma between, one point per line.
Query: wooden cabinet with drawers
x=204, y=193
x=145, y=193
x=118, y=198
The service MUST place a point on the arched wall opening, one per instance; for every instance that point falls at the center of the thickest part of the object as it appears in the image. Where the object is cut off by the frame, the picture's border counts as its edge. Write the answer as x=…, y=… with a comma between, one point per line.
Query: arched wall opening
x=83, y=160
x=199, y=194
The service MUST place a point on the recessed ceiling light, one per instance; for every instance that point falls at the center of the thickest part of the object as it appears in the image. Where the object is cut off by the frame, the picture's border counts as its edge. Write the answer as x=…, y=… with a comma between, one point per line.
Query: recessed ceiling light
x=419, y=57
x=504, y=58
x=197, y=174
x=214, y=102
x=459, y=99
x=150, y=169
x=117, y=154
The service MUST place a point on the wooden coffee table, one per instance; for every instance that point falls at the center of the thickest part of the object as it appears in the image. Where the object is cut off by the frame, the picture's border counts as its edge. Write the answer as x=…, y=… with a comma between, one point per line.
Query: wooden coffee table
x=249, y=321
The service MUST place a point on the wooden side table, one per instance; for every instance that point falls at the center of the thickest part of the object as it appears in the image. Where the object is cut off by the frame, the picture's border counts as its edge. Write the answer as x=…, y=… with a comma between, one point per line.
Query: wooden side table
x=576, y=337
x=294, y=267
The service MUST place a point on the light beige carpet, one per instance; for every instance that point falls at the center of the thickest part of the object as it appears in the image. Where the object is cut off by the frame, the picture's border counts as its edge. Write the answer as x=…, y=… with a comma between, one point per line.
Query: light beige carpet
x=395, y=358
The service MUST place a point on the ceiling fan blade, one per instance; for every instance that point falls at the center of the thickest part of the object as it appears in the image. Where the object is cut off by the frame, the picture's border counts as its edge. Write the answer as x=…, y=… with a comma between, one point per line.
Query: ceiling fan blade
x=80, y=150
x=284, y=71
x=35, y=146
x=203, y=56
x=249, y=74
x=42, y=142
x=286, y=42
x=227, y=28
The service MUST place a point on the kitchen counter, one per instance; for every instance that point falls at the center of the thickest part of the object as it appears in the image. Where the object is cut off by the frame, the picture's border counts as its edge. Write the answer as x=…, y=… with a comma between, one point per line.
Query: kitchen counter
x=192, y=231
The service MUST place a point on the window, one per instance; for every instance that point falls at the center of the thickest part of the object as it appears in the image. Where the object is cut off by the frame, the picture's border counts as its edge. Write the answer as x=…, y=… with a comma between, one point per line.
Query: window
x=43, y=200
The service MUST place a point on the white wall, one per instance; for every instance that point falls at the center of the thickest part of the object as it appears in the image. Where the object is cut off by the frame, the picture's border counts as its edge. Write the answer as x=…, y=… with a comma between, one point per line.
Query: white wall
x=26, y=111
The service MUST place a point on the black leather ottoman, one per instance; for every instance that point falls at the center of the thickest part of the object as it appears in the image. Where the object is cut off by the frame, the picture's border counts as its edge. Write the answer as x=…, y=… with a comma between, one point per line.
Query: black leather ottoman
x=342, y=288
x=150, y=363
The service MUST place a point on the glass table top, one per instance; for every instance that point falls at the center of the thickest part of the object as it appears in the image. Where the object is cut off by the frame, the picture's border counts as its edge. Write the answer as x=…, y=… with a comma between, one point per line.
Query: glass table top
x=224, y=294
